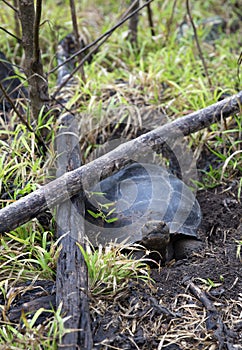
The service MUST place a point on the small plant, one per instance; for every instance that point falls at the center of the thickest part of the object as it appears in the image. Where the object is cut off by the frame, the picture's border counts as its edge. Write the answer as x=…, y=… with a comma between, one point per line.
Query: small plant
x=238, y=251
x=30, y=335
x=27, y=252
x=110, y=271
x=103, y=211
x=225, y=145
x=209, y=283
x=21, y=167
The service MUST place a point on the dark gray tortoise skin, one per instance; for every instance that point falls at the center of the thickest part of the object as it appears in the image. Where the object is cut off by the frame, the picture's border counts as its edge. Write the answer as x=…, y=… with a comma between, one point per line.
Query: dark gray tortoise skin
x=152, y=207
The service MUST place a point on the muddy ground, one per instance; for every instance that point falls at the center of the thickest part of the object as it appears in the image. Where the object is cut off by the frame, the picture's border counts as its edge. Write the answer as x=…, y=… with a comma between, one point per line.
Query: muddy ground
x=166, y=314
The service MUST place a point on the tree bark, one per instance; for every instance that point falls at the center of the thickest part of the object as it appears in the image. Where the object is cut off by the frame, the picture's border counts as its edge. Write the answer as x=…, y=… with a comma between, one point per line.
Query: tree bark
x=71, y=274
x=38, y=85
x=133, y=24
x=86, y=176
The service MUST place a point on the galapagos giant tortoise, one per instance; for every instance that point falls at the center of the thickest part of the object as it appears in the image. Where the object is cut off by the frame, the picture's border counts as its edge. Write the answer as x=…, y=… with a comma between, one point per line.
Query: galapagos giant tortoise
x=151, y=206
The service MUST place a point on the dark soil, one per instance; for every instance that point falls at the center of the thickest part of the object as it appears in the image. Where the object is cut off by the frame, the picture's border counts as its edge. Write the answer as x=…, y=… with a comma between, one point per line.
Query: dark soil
x=166, y=314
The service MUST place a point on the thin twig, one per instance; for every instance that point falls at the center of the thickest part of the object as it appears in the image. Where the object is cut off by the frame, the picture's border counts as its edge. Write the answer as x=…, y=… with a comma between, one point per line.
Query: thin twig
x=29, y=127
x=77, y=36
x=239, y=62
x=104, y=37
x=8, y=98
x=170, y=20
x=74, y=20
x=11, y=34
x=109, y=32
x=38, y=11
x=198, y=45
x=127, y=11
x=10, y=5
x=16, y=19
x=150, y=19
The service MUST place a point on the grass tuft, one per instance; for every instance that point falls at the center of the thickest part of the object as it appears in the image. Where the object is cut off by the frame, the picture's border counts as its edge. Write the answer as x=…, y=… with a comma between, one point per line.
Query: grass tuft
x=110, y=270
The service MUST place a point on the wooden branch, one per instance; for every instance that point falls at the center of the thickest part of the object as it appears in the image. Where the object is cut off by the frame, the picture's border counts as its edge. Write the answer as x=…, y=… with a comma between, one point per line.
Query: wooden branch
x=12, y=90
x=86, y=176
x=150, y=19
x=11, y=34
x=71, y=276
x=133, y=24
x=198, y=45
x=36, y=54
x=103, y=36
x=77, y=37
x=214, y=320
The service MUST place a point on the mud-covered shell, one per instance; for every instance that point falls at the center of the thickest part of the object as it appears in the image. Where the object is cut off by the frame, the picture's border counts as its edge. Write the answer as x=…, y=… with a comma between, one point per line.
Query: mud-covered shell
x=140, y=193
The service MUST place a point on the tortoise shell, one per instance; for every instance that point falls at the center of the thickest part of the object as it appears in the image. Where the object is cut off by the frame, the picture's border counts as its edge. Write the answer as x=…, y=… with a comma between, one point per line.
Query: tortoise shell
x=135, y=195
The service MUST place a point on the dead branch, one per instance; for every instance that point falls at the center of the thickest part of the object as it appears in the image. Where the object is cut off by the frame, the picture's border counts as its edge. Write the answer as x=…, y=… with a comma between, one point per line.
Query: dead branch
x=198, y=45
x=77, y=36
x=107, y=33
x=86, y=176
x=150, y=19
x=214, y=320
x=71, y=274
x=11, y=90
x=11, y=6
x=11, y=34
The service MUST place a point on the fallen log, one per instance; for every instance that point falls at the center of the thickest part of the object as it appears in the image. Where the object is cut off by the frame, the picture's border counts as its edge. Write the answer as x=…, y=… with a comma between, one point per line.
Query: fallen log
x=86, y=176
x=71, y=271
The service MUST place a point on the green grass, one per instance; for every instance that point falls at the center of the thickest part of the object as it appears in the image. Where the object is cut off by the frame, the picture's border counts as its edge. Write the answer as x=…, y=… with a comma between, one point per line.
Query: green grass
x=27, y=253
x=165, y=72
x=238, y=252
x=225, y=145
x=110, y=271
x=23, y=166
x=29, y=336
